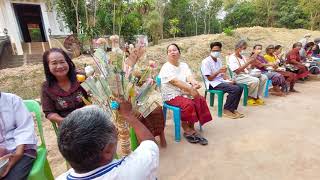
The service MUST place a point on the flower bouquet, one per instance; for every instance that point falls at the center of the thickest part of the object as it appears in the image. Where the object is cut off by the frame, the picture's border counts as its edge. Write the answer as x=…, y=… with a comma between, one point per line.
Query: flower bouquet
x=118, y=78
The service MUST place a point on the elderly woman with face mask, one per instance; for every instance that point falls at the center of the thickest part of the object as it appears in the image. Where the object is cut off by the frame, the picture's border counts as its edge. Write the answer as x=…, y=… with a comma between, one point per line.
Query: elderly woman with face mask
x=179, y=88
x=239, y=65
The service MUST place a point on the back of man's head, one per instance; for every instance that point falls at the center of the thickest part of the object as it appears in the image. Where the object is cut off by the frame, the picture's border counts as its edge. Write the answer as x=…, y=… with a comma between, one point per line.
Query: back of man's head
x=83, y=135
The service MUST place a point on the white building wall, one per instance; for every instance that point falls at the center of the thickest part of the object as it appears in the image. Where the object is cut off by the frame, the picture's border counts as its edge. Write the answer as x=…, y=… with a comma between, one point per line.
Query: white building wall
x=2, y=23
x=8, y=20
x=11, y=24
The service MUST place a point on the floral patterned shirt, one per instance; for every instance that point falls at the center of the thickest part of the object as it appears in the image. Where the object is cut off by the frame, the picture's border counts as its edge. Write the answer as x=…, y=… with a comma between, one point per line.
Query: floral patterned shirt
x=56, y=100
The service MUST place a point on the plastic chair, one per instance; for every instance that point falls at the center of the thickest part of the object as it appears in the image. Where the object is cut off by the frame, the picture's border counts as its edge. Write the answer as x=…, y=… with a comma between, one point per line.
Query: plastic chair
x=219, y=93
x=266, y=91
x=41, y=168
x=244, y=86
x=133, y=140
x=176, y=115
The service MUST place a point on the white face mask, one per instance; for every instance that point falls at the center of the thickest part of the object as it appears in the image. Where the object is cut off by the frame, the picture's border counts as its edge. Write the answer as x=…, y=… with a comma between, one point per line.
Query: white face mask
x=243, y=53
x=215, y=54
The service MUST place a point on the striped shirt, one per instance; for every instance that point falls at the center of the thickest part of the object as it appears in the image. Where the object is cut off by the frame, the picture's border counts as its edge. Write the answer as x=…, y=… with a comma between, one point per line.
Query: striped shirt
x=142, y=164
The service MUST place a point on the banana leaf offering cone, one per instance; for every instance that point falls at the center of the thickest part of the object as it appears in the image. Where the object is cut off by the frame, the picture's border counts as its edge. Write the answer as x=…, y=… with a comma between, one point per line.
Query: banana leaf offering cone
x=123, y=134
x=114, y=79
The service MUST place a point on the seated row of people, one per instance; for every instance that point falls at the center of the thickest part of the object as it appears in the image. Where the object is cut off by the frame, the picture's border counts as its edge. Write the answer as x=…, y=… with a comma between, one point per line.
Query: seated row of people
x=243, y=67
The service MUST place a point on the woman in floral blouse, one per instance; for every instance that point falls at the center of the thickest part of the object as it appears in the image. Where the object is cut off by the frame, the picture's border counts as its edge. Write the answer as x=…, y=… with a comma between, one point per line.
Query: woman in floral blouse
x=61, y=92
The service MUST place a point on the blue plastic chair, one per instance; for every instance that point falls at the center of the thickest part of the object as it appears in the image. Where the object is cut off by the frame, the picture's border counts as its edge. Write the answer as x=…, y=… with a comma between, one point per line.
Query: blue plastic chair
x=176, y=115
x=266, y=91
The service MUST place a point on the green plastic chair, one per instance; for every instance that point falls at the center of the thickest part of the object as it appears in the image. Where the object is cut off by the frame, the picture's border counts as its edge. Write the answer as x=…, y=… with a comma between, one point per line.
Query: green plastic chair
x=41, y=168
x=133, y=140
x=244, y=86
x=219, y=93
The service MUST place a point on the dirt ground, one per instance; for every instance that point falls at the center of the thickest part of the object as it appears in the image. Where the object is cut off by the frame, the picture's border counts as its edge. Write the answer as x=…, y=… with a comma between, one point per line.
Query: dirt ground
x=280, y=140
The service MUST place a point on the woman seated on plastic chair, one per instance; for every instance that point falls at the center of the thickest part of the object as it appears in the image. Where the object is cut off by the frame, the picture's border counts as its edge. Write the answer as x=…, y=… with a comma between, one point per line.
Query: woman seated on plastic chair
x=179, y=88
x=294, y=58
x=278, y=81
x=17, y=138
x=61, y=92
x=273, y=56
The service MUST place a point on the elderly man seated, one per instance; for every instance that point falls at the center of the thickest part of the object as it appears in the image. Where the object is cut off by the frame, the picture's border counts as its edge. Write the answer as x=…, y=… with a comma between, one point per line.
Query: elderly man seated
x=88, y=141
x=239, y=65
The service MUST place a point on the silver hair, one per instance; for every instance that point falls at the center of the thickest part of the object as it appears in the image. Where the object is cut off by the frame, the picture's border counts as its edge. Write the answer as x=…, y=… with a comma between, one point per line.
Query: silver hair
x=83, y=134
x=240, y=44
x=95, y=113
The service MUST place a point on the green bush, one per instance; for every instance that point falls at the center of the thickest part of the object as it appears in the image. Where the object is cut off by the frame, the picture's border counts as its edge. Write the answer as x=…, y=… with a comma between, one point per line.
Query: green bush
x=228, y=31
x=35, y=34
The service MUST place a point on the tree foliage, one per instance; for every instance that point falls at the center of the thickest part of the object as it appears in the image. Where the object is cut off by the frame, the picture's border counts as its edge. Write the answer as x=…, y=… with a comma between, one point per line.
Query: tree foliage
x=154, y=17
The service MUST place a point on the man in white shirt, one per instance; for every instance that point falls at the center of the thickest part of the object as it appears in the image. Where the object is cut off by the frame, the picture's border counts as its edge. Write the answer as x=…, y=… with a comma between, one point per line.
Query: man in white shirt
x=88, y=141
x=17, y=137
x=239, y=66
x=215, y=79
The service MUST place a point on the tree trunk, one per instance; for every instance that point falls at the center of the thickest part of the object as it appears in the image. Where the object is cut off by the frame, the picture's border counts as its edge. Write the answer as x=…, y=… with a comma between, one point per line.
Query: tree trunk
x=77, y=14
x=87, y=17
x=95, y=13
x=205, y=25
x=161, y=26
x=196, y=23
x=114, y=18
x=209, y=25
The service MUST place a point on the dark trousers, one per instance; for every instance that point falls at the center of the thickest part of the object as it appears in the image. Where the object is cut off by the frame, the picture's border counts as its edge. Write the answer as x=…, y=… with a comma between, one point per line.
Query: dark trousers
x=21, y=169
x=234, y=94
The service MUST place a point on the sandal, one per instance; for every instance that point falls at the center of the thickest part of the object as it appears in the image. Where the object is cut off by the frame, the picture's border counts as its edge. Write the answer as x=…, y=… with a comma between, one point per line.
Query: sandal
x=202, y=140
x=191, y=138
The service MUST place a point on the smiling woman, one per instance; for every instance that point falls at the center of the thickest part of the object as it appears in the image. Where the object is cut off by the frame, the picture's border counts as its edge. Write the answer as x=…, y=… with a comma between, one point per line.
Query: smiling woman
x=61, y=93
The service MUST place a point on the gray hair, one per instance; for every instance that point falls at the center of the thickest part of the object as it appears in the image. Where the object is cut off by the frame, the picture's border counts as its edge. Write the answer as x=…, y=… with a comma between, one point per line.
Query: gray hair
x=83, y=135
x=240, y=44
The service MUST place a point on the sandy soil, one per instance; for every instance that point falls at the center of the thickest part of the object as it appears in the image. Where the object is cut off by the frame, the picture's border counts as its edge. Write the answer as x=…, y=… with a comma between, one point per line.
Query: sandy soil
x=280, y=140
